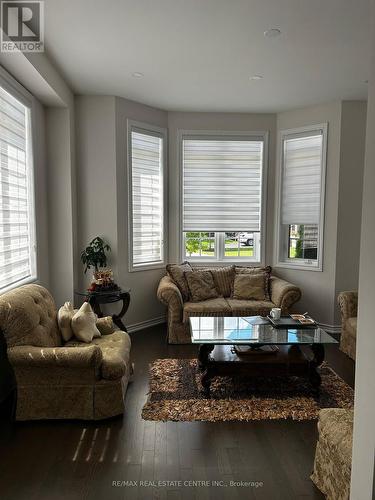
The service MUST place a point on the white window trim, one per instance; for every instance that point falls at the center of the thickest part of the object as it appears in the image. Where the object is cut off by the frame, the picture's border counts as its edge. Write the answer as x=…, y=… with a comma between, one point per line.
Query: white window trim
x=28, y=100
x=301, y=264
x=158, y=131
x=261, y=135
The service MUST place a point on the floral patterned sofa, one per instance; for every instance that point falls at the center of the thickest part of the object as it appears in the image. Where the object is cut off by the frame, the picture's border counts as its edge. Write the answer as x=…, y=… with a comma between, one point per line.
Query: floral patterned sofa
x=174, y=293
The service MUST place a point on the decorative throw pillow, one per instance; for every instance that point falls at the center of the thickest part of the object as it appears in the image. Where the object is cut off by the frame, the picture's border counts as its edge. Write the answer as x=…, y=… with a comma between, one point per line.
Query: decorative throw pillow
x=201, y=285
x=64, y=318
x=248, y=286
x=223, y=278
x=258, y=270
x=105, y=325
x=84, y=324
x=176, y=272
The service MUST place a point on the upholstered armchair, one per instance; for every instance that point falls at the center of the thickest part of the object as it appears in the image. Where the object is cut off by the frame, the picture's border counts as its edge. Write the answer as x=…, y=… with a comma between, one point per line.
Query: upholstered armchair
x=56, y=380
x=348, y=302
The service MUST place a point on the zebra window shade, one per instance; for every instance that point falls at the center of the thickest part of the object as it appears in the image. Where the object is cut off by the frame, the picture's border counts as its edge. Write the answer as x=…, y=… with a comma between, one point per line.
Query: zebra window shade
x=302, y=179
x=147, y=198
x=222, y=184
x=17, y=234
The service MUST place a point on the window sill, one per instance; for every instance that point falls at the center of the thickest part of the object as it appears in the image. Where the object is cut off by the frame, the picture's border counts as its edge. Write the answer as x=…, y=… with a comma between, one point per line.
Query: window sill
x=147, y=267
x=26, y=281
x=299, y=267
x=221, y=263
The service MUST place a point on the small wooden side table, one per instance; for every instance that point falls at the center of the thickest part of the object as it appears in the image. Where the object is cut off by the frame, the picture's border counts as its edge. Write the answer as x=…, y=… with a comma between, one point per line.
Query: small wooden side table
x=98, y=297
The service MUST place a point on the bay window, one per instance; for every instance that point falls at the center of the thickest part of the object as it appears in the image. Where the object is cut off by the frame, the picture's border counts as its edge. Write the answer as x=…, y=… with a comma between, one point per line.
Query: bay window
x=223, y=196
x=147, y=222
x=301, y=196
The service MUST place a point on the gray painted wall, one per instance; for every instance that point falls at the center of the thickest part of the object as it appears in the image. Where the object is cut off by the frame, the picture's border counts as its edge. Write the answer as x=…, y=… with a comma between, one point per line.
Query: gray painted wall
x=55, y=170
x=318, y=287
x=352, y=159
x=102, y=201
x=364, y=412
x=346, y=132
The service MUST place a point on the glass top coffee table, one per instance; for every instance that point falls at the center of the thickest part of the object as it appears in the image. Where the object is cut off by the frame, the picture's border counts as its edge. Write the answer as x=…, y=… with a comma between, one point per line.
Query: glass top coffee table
x=272, y=351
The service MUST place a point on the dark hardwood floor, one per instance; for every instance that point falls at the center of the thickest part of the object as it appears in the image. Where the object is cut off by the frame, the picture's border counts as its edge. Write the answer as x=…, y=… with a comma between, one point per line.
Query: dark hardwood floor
x=83, y=460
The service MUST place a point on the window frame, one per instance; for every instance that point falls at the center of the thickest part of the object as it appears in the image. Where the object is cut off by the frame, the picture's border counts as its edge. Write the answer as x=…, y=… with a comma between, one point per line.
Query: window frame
x=281, y=250
x=219, y=260
x=10, y=85
x=155, y=131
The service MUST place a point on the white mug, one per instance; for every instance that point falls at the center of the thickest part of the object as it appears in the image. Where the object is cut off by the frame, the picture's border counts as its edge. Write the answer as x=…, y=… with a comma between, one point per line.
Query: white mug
x=275, y=313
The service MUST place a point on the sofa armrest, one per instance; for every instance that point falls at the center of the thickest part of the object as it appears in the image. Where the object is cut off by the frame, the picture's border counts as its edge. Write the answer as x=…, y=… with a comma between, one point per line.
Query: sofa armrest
x=169, y=294
x=284, y=294
x=64, y=357
x=348, y=302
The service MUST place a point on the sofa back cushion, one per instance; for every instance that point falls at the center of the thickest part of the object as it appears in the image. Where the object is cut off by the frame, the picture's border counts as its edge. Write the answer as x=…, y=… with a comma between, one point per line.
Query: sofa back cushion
x=265, y=271
x=201, y=285
x=176, y=272
x=28, y=316
x=250, y=286
x=223, y=278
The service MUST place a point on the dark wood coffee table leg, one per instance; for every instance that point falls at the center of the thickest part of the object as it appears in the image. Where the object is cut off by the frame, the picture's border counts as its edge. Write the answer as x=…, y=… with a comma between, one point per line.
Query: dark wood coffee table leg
x=314, y=376
x=204, y=362
x=204, y=355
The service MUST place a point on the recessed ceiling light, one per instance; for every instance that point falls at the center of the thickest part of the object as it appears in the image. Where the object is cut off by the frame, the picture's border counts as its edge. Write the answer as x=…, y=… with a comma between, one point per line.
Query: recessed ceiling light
x=137, y=74
x=255, y=77
x=272, y=33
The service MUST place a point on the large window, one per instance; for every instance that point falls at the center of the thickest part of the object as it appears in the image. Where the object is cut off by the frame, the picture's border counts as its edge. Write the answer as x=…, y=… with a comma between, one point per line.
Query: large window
x=301, y=194
x=146, y=196
x=222, y=196
x=17, y=221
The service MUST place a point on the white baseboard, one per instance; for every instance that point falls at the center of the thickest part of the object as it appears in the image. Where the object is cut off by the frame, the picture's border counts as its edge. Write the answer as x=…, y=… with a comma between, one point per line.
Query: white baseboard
x=135, y=327
x=334, y=329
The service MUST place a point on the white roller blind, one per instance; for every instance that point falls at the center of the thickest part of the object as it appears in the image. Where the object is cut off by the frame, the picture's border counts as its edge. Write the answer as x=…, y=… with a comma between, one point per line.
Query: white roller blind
x=302, y=179
x=17, y=245
x=222, y=184
x=147, y=197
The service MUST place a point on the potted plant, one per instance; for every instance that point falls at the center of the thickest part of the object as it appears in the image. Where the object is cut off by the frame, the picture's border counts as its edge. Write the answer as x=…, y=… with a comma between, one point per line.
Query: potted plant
x=94, y=256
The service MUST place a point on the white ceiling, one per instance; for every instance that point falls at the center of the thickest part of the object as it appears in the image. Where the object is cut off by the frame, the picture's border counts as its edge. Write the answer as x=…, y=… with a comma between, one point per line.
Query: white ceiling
x=198, y=55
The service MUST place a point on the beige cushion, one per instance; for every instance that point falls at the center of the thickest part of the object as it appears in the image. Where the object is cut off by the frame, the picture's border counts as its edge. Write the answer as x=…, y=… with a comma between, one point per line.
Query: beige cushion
x=28, y=316
x=351, y=326
x=84, y=324
x=250, y=307
x=211, y=307
x=223, y=278
x=176, y=272
x=115, y=349
x=258, y=270
x=250, y=287
x=64, y=318
x=105, y=325
x=201, y=285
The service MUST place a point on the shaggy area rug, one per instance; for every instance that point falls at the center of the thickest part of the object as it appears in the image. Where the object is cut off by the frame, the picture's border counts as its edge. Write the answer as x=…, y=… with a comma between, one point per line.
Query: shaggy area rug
x=175, y=394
